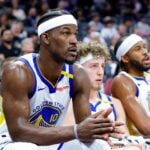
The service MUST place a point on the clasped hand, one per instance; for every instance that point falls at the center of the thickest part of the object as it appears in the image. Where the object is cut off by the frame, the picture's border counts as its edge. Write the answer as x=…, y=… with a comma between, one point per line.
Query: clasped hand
x=98, y=126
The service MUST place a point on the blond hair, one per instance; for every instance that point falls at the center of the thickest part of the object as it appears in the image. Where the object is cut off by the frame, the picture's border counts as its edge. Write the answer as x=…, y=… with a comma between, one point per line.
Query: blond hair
x=94, y=48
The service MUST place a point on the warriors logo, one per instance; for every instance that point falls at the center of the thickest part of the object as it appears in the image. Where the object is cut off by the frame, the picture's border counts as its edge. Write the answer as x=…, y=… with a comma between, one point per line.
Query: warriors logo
x=47, y=116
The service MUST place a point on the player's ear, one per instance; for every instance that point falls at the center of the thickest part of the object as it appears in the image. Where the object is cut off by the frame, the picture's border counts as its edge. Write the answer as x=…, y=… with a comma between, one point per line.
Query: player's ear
x=124, y=58
x=45, y=38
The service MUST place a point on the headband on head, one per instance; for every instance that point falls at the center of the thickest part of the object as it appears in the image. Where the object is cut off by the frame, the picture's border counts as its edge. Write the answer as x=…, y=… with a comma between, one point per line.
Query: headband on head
x=56, y=22
x=84, y=59
x=125, y=46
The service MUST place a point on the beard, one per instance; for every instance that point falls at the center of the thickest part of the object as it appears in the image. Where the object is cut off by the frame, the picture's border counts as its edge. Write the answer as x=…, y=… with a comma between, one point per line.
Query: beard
x=70, y=62
x=139, y=66
x=63, y=58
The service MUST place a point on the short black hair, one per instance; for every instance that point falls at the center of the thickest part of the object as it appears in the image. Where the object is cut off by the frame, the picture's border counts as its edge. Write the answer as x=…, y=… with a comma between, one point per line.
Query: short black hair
x=51, y=14
x=120, y=64
x=3, y=31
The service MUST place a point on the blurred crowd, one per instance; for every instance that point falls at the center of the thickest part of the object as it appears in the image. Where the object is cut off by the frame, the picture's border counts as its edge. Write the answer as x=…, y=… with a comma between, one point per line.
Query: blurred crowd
x=98, y=20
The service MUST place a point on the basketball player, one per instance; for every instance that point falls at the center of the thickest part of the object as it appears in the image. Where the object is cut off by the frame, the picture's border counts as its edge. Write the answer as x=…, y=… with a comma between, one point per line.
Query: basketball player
x=37, y=89
x=92, y=57
x=132, y=85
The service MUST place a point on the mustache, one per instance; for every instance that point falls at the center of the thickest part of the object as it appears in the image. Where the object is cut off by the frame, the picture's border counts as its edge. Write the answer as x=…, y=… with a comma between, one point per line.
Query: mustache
x=72, y=48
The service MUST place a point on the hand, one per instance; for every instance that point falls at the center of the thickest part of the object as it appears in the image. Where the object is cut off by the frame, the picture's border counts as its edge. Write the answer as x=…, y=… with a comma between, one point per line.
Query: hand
x=109, y=141
x=105, y=113
x=118, y=130
x=96, y=126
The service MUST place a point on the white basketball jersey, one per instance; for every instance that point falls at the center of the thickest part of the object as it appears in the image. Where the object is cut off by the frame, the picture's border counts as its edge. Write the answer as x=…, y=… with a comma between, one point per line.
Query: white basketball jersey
x=142, y=93
x=48, y=103
x=103, y=102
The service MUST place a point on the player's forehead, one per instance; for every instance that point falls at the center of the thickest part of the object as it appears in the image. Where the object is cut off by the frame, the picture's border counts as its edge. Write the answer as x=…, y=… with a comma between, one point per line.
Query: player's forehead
x=96, y=60
x=137, y=45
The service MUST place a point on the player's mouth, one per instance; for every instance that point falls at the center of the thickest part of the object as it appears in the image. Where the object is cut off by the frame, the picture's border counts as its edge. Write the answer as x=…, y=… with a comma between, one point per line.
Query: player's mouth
x=146, y=60
x=98, y=80
x=73, y=51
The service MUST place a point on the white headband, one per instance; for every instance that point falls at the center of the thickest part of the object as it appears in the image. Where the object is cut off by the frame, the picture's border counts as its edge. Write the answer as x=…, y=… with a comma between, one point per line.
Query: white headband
x=56, y=22
x=85, y=59
x=127, y=44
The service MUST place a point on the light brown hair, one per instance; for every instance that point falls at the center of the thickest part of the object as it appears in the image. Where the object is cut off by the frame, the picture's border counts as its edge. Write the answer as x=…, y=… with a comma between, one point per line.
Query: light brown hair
x=94, y=48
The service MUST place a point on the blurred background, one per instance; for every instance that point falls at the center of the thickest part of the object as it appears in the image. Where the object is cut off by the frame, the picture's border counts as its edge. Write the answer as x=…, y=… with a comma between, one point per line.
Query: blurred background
x=98, y=20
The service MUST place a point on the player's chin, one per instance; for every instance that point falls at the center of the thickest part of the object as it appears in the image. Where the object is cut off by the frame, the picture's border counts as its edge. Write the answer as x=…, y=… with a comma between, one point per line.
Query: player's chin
x=70, y=60
x=97, y=87
x=146, y=66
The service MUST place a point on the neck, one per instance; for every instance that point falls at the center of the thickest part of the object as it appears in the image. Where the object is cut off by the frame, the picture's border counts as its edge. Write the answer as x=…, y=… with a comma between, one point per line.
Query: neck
x=93, y=95
x=136, y=73
x=134, y=70
x=50, y=69
x=46, y=60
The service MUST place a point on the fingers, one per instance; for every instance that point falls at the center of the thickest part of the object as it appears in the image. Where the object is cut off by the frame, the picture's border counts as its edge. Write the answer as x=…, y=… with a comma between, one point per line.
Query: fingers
x=96, y=126
x=119, y=123
x=102, y=113
x=116, y=135
x=95, y=115
x=103, y=130
x=101, y=136
x=118, y=130
x=106, y=113
x=102, y=125
x=102, y=120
